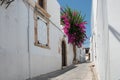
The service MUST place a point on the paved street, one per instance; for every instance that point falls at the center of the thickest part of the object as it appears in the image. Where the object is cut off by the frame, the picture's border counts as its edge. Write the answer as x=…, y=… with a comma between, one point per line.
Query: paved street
x=74, y=72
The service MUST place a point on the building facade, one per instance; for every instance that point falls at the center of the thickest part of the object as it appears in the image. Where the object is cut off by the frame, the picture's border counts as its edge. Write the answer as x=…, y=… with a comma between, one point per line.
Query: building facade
x=105, y=40
x=31, y=40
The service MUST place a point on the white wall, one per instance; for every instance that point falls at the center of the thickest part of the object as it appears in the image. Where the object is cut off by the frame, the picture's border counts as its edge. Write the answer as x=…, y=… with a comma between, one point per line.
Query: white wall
x=107, y=38
x=19, y=58
x=46, y=60
x=13, y=42
x=82, y=55
x=78, y=52
x=70, y=54
x=94, y=30
x=100, y=38
x=114, y=37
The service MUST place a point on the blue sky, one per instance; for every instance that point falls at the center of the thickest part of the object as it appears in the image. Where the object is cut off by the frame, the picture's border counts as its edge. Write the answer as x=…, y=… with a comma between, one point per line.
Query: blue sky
x=85, y=7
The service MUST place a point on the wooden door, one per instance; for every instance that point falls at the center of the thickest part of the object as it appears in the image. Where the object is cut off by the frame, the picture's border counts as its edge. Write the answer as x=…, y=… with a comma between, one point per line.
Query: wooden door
x=64, y=60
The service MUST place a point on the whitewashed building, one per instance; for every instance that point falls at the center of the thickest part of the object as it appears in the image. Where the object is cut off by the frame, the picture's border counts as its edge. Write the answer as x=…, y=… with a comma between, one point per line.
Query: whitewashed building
x=105, y=41
x=81, y=55
x=31, y=41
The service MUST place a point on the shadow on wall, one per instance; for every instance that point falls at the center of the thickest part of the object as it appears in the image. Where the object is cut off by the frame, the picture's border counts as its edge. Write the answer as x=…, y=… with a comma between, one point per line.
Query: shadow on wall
x=114, y=32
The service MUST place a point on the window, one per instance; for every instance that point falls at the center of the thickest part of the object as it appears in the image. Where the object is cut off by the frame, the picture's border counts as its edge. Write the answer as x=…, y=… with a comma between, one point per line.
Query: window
x=41, y=24
x=42, y=4
x=41, y=31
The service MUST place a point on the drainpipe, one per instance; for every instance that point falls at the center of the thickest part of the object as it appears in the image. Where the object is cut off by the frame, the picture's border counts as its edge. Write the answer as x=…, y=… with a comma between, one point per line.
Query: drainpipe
x=29, y=65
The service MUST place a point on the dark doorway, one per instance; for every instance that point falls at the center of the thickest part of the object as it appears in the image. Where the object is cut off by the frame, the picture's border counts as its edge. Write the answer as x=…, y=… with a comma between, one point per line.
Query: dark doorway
x=64, y=60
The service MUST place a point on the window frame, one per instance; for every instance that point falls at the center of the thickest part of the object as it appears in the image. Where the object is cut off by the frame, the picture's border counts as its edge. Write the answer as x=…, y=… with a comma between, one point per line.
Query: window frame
x=43, y=11
x=37, y=43
x=44, y=4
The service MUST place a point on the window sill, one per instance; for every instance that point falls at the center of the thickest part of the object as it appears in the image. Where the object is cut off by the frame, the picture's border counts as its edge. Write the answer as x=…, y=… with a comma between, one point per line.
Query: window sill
x=42, y=46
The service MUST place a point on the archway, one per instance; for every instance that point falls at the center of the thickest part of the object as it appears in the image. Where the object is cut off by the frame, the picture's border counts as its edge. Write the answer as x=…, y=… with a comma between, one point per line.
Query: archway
x=64, y=55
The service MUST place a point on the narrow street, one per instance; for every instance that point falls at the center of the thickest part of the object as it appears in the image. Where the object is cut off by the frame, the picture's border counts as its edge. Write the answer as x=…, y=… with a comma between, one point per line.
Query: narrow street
x=74, y=72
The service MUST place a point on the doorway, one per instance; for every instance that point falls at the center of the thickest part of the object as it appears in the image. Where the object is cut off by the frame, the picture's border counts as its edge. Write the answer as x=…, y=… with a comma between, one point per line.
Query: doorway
x=64, y=56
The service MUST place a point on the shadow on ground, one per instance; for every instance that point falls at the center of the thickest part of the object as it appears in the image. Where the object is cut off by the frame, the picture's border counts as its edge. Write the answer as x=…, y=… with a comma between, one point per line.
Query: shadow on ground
x=53, y=74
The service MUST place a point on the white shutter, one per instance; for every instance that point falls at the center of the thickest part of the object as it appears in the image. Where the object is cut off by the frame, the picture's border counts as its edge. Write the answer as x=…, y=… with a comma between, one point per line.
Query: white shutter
x=42, y=32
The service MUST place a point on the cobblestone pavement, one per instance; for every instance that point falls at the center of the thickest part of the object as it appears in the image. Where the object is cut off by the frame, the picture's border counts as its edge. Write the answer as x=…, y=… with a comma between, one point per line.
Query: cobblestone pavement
x=75, y=72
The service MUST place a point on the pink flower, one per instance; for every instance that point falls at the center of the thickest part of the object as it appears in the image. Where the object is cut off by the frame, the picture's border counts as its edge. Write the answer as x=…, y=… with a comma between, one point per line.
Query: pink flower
x=76, y=24
x=67, y=24
x=74, y=13
x=67, y=27
x=66, y=30
x=71, y=39
x=84, y=22
x=66, y=20
x=82, y=25
x=79, y=44
x=82, y=31
x=63, y=16
x=73, y=27
x=74, y=33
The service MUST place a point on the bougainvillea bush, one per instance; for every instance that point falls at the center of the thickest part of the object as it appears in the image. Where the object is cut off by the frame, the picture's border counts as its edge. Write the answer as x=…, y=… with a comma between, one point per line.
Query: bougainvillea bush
x=74, y=26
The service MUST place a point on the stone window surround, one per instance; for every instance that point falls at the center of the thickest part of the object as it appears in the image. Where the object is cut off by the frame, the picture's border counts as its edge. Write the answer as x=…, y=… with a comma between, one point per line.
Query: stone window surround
x=39, y=11
x=37, y=43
